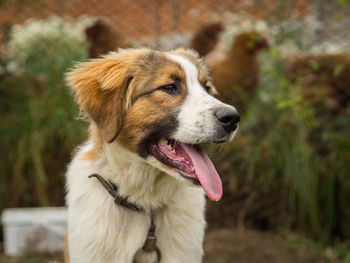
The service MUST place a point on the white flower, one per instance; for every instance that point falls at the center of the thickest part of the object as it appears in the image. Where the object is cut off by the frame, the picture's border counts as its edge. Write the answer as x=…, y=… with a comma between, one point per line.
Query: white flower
x=261, y=26
x=51, y=34
x=13, y=68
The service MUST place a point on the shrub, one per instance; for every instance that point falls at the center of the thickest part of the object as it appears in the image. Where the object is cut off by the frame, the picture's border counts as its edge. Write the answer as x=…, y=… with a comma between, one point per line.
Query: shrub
x=38, y=130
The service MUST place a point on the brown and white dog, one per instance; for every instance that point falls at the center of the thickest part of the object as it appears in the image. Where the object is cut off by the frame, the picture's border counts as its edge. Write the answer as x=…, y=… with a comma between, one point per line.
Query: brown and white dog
x=149, y=112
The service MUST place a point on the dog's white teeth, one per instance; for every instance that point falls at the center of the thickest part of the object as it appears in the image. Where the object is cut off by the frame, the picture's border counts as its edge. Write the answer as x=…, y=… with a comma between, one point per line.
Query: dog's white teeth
x=163, y=141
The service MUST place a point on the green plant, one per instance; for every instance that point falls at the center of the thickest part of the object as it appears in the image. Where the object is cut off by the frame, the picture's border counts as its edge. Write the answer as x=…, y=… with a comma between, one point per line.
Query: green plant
x=38, y=129
x=292, y=155
x=280, y=145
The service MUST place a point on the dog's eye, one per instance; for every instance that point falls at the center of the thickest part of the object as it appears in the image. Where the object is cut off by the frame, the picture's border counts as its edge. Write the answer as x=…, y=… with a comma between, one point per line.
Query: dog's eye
x=207, y=88
x=171, y=88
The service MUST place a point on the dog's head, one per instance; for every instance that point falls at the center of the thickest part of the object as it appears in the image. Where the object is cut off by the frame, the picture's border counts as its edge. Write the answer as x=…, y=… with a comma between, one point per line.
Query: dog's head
x=159, y=106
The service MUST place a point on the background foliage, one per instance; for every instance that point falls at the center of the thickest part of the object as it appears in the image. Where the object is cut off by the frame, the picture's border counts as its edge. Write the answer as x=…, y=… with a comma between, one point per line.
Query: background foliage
x=38, y=129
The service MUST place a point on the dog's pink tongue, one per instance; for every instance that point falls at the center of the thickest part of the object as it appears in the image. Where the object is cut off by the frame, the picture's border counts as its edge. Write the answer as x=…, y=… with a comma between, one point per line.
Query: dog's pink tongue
x=206, y=172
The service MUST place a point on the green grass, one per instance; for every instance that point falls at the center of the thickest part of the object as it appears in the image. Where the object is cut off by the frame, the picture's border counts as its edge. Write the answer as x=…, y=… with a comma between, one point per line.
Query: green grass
x=312, y=250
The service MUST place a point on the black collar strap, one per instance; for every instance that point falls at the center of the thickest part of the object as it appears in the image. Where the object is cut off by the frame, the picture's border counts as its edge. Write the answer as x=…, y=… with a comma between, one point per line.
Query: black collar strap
x=151, y=239
x=113, y=191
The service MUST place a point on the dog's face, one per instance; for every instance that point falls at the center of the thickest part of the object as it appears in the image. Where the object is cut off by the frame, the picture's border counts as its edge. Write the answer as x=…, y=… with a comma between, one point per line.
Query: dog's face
x=160, y=107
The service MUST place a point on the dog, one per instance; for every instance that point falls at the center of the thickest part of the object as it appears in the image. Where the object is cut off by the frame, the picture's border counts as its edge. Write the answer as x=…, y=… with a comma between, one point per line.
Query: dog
x=136, y=189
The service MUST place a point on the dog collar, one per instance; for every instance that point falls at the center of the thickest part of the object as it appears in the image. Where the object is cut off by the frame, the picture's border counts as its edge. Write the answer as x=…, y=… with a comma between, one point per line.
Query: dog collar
x=113, y=191
x=150, y=244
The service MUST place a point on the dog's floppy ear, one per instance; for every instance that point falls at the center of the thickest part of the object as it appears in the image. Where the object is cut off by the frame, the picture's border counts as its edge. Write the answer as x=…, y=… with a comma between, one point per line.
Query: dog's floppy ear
x=100, y=88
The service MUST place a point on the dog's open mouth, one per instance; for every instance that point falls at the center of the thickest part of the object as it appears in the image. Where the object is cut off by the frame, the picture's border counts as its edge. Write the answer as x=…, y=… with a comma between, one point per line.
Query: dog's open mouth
x=191, y=162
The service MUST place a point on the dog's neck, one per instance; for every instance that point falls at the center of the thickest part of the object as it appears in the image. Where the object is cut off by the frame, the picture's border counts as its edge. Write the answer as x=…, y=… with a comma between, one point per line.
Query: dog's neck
x=136, y=179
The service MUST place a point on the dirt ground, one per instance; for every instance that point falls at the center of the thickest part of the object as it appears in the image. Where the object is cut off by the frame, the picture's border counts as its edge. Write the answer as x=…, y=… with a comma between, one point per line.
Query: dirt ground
x=228, y=246
x=224, y=246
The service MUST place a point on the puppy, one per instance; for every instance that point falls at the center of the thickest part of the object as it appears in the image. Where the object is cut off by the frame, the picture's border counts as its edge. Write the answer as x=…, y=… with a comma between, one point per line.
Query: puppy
x=149, y=112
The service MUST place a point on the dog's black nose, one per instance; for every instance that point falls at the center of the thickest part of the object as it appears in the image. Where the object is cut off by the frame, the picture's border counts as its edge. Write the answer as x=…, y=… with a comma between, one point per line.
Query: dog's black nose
x=228, y=119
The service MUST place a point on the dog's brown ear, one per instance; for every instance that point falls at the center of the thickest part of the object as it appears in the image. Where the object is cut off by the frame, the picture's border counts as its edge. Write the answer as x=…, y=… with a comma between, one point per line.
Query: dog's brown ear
x=100, y=88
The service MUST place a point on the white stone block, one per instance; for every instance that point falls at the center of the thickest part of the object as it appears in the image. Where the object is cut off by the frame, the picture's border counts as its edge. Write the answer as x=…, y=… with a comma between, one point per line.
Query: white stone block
x=34, y=230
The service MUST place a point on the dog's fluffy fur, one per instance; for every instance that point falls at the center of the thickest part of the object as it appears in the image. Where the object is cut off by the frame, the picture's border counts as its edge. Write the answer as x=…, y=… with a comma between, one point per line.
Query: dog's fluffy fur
x=124, y=95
